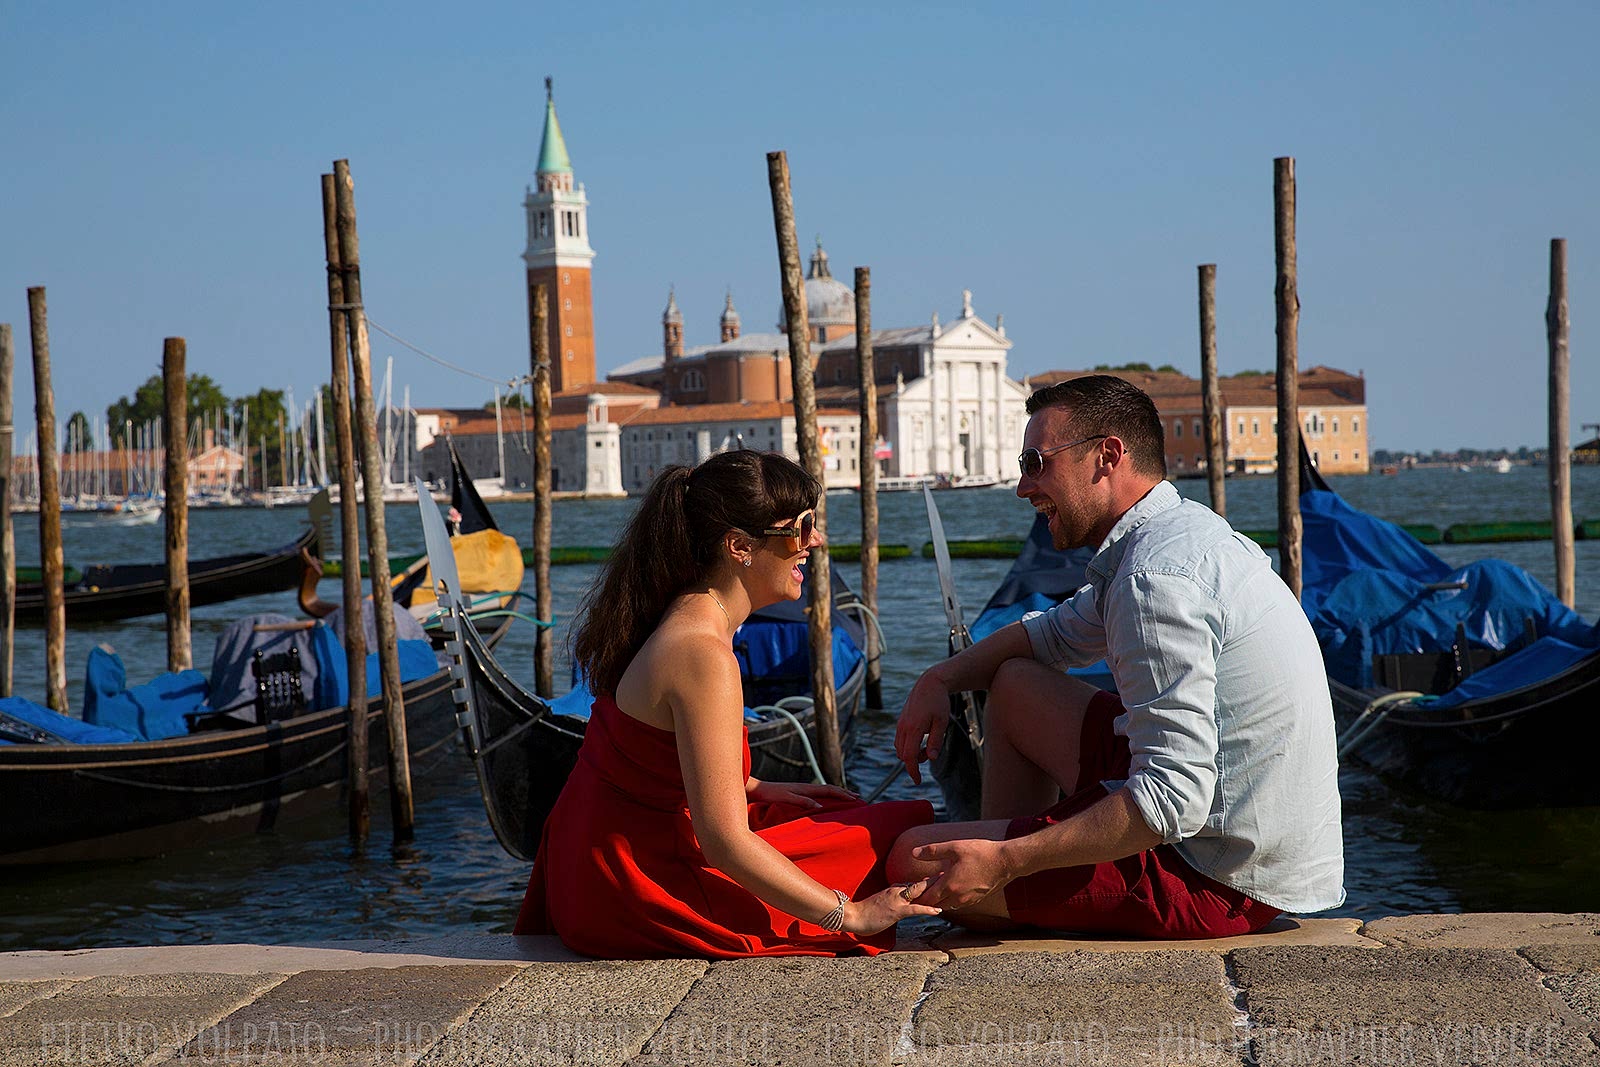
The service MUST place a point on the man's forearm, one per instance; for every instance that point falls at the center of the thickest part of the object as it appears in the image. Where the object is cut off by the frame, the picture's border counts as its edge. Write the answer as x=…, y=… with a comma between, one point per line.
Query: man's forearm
x=1108, y=830
x=974, y=668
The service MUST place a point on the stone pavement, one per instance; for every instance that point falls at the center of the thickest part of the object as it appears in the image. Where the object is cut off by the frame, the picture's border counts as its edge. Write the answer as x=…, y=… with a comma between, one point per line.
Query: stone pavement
x=1428, y=989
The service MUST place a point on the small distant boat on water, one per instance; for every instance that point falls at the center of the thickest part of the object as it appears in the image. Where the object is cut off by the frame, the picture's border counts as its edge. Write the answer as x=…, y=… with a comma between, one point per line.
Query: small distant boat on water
x=1502, y=466
x=1472, y=684
x=135, y=511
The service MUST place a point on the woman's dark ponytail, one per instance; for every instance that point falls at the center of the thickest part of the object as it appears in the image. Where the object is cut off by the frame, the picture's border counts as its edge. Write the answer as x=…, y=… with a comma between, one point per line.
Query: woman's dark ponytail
x=672, y=542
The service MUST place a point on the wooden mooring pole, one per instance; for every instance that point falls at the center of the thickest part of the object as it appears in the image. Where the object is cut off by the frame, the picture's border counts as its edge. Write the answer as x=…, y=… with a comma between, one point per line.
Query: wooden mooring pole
x=867, y=377
x=1288, y=304
x=1555, y=321
x=8, y=543
x=51, y=562
x=394, y=705
x=1211, y=391
x=544, y=656
x=175, y=413
x=355, y=637
x=819, y=615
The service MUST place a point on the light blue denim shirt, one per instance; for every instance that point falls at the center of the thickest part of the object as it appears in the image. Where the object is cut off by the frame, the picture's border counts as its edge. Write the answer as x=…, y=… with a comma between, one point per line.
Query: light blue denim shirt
x=1227, y=717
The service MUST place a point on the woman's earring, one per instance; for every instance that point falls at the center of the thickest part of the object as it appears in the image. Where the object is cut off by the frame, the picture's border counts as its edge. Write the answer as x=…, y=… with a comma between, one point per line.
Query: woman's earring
x=748, y=561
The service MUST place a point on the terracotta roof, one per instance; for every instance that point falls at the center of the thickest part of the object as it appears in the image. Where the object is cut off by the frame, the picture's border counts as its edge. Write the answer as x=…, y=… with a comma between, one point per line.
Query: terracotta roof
x=513, y=425
x=1318, y=386
x=768, y=409
x=459, y=413
x=607, y=388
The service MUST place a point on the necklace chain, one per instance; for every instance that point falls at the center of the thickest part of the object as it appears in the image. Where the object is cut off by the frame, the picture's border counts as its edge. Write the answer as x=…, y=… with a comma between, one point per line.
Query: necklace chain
x=718, y=601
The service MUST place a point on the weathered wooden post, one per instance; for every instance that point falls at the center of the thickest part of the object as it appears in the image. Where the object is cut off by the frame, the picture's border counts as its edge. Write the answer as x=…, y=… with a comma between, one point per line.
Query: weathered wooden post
x=8, y=544
x=1555, y=321
x=544, y=659
x=175, y=412
x=867, y=377
x=1288, y=301
x=1211, y=390
x=51, y=563
x=819, y=617
x=394, y=704
x=355, y=637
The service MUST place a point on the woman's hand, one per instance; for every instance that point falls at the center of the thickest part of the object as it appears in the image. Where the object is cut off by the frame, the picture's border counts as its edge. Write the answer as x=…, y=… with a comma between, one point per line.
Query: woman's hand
x=796, y=794
x=882, y=910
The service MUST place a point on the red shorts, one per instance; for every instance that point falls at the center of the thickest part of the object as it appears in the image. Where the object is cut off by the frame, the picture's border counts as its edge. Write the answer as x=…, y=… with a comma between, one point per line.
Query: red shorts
x=1149, y=894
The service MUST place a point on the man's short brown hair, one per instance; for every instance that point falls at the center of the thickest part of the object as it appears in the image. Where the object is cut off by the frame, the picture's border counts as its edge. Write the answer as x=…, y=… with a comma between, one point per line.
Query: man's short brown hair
x=1103, y=403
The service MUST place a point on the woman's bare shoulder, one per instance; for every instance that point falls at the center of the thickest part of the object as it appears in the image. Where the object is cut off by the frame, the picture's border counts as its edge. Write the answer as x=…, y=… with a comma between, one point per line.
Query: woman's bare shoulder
x=690, y=647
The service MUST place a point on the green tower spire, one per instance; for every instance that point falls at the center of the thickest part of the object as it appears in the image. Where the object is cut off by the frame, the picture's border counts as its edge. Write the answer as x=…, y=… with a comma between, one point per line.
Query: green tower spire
x=553, y=157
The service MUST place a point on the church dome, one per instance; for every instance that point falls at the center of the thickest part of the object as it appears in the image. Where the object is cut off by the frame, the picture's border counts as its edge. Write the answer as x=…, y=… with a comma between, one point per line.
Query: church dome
x=829, y=302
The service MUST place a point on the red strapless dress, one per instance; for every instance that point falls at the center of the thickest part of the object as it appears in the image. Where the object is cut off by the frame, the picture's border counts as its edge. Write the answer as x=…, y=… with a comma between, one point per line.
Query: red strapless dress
x=620, y=873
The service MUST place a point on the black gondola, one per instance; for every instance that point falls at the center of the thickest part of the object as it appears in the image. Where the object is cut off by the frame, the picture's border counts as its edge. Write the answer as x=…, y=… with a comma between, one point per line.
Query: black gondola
x=69, y=802
x=1490, y=711
x=108, y=591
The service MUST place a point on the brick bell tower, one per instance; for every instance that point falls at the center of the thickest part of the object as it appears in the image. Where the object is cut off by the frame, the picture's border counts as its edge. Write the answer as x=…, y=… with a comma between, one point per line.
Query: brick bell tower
x=558, y=256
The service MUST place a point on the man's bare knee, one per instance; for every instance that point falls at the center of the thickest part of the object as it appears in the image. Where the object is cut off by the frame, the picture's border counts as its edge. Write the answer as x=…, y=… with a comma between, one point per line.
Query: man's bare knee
x=901, y=866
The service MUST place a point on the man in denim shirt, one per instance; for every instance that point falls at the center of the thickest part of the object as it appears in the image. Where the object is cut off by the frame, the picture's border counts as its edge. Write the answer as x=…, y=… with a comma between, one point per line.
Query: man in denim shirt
x=1202, y=799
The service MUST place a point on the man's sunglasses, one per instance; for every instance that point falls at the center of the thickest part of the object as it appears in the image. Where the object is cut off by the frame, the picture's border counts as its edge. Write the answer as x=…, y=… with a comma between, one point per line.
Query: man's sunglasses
x=800, y=533
x=1031, y=462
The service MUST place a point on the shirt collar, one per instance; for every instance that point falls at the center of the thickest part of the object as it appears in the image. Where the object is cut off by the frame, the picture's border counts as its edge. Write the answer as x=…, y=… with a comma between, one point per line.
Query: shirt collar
x=1163, y=497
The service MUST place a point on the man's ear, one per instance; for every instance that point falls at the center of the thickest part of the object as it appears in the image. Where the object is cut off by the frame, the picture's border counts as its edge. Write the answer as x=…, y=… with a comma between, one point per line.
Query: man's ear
x=1112, y=451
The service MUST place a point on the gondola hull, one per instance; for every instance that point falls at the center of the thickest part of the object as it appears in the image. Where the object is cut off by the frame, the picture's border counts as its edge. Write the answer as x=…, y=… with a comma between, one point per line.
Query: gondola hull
x=1524, y=749
x=524, y=751
x=124, y=591
x=98, y=802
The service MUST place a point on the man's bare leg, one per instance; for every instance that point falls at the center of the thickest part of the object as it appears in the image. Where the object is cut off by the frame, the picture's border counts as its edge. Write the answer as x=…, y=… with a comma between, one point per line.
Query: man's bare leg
x=1032, y=726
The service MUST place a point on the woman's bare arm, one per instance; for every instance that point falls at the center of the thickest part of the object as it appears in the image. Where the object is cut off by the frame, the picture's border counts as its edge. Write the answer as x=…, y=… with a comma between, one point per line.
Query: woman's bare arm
x=703, y=690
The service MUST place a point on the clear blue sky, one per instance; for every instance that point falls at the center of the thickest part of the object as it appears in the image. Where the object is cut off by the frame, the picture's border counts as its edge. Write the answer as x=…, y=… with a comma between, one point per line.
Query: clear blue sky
x=1069, y=164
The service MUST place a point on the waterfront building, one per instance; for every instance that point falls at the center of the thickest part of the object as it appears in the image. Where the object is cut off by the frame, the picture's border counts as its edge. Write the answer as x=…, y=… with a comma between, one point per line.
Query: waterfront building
x=1333, y=417
x=690, y=433
x=946, y=407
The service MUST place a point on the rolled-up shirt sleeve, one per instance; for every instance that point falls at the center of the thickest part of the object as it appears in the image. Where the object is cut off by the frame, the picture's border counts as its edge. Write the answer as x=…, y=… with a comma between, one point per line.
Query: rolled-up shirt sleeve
x=1167, y=633
x=1071, y=634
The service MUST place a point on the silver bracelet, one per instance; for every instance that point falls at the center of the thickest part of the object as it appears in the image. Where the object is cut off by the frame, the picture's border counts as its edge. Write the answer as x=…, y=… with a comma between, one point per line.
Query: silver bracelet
x=833, y=922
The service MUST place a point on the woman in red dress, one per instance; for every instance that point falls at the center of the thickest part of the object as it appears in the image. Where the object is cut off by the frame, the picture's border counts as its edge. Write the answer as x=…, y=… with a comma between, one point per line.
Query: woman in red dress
x=661, y=843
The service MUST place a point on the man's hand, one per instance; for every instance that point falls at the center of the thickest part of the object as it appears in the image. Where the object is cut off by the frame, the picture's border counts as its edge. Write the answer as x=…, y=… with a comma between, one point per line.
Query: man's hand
x=926, y=714
x=971, y=870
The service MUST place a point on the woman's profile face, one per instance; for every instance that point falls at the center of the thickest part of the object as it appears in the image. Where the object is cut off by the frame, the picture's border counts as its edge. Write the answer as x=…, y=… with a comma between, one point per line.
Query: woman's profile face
x=779, y=560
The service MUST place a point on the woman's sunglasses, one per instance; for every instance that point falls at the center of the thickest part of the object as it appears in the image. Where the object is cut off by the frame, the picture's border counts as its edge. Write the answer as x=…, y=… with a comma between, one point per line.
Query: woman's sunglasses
x=800, y=532
x=1031, y=462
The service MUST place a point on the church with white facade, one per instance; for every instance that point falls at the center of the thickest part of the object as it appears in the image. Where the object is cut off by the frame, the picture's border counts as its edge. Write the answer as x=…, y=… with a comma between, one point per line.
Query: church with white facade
x=947, y=411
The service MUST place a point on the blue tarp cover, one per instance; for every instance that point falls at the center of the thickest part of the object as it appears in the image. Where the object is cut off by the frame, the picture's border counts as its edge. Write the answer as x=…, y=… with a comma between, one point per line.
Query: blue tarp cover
x=74, y=731
x=417, y=660
x=1366, y=593
x=151, y=711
